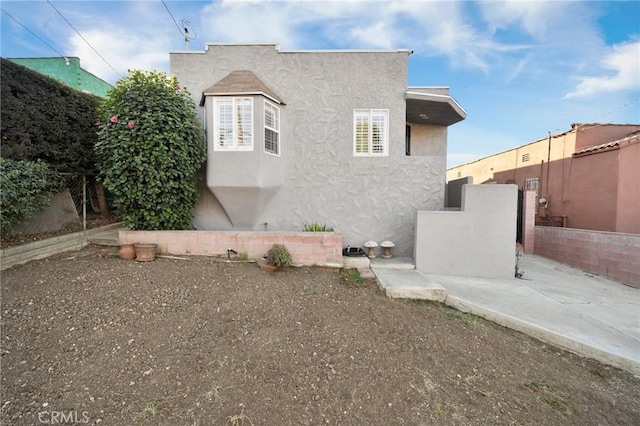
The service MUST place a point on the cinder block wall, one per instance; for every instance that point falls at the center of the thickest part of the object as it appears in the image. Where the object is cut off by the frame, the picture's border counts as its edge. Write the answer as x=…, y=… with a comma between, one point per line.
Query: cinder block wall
x=528, y=221
x=306, y=248
x=609, y=254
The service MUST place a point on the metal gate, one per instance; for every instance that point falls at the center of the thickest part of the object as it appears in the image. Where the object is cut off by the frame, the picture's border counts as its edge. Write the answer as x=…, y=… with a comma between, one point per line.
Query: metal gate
x=519, y=217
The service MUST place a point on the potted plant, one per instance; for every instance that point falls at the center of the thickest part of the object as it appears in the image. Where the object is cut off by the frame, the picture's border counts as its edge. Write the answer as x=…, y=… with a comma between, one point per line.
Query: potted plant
x=277, y=257
x=145, y=252
x=127, y=251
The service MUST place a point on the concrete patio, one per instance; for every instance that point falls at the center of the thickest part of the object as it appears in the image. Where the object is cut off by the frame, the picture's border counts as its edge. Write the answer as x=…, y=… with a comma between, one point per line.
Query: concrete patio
x=587, y=314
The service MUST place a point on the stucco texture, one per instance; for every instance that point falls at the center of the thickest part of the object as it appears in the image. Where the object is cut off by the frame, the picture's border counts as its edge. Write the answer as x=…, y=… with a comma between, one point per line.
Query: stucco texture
x=321, y=180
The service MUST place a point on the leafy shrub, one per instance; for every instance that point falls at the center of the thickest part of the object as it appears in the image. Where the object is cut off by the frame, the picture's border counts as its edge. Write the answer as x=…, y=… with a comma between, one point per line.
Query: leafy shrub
x=25, y=188
x=279, y=256
x=149, y=150
x=315, y=227
x=46, y=120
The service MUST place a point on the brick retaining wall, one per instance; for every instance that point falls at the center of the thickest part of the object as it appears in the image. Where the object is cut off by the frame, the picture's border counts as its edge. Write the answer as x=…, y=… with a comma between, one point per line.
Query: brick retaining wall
x=609, y=254
x=306, y=248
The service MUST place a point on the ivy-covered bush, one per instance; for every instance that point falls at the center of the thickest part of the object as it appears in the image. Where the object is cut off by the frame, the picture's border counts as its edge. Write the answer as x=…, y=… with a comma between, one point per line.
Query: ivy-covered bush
x=149, y=150
x=25, y=188
x=42, y=119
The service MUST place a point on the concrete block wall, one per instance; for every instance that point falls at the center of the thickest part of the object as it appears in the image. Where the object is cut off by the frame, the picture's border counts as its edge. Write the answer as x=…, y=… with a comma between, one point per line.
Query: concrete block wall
x=610, y=254
x=478, y=241
x=306, y=248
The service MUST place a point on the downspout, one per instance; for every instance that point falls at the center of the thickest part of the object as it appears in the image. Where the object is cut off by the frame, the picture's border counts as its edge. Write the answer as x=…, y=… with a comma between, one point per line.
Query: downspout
x=548, y=160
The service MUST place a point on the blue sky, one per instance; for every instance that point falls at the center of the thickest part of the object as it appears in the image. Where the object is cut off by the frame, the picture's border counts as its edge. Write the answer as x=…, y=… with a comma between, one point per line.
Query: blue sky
x=520, y=69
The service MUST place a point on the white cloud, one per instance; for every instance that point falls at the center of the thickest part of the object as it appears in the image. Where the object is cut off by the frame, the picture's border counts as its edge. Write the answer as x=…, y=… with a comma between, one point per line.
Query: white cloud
x=429, y=28
x=122, y=38
x=555, y=22
x=122, y=50
x=623, y=60
x=534, y=17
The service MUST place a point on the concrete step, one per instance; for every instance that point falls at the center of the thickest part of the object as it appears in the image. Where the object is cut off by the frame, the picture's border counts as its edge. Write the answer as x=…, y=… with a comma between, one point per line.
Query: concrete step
x=366, y=273
x=408, y=284
x=355, y=262
x=393, y=263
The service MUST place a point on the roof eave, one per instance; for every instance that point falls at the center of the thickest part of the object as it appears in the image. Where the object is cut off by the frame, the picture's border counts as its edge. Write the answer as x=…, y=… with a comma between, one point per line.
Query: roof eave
x=250, y=93
x=429, y=108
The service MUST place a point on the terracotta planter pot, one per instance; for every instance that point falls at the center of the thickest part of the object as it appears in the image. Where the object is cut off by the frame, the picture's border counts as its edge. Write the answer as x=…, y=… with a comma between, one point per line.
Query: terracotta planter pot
x=266, y=266
x=127, y=251
x=145, y=252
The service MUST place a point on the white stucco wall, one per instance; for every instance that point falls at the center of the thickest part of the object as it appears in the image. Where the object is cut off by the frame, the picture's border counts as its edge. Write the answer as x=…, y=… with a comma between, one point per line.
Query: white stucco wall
x=363, y=197
x=478, y=241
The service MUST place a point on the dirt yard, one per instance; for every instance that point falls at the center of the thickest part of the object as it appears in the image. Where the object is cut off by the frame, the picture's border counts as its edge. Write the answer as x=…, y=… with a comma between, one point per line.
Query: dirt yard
x=89, y=338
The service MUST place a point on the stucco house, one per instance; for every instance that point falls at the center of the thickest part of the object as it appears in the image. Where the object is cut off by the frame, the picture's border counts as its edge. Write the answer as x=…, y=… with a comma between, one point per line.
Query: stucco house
x=328, y=136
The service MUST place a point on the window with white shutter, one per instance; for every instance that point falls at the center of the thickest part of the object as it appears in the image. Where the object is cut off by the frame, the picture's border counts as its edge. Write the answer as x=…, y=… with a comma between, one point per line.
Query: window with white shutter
x=271, y=128
x=233, y=124
x=370, y=132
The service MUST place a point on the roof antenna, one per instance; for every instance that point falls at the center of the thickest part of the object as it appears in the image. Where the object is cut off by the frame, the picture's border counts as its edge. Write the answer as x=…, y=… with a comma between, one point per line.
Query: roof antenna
x=187, y=35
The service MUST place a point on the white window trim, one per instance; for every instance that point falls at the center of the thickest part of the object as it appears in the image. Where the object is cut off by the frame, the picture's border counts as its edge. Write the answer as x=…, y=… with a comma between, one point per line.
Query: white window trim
x=277, y=131
x=385, y=143
x=216, y=127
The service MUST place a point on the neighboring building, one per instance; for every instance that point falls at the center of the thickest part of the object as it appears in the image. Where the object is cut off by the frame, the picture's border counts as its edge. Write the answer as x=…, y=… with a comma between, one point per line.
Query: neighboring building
x=332, y=137
x=68, y=71
x=588, y=174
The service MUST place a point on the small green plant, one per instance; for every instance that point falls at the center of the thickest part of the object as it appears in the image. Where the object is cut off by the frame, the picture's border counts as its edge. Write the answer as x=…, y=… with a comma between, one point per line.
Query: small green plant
x=214, y=393
x=438, y=409
x=279, y=256
x=352, y=275
x=243, y=256
x=313, y=290
x=598, y=370
x=316, y=227
x=149, y=410
x=549, y=395
x=238, y=419
x=465, y=318
x=353, y=396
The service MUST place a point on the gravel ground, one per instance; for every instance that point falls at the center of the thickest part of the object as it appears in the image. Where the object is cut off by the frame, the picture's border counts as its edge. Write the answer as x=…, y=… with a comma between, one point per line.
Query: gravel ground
x=89, y=338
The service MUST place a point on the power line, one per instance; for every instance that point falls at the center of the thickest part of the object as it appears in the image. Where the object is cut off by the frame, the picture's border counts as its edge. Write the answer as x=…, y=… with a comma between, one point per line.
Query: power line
x=594, y=123
x=78, y=32
x=173, y=19
x=32, y=33
x=184, y=29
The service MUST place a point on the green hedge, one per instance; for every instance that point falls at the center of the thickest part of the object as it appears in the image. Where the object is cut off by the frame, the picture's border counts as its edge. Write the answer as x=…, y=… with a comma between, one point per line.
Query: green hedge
x=46, y=120
x=25, y=188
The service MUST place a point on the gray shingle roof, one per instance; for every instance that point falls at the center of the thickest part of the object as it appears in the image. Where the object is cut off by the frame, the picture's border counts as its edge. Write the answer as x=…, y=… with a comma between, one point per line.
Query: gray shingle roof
x=241, y=82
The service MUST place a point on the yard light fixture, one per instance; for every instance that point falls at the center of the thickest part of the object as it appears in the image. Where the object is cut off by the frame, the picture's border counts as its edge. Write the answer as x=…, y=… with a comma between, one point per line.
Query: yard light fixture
x=371, y=245
x=387, y=246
